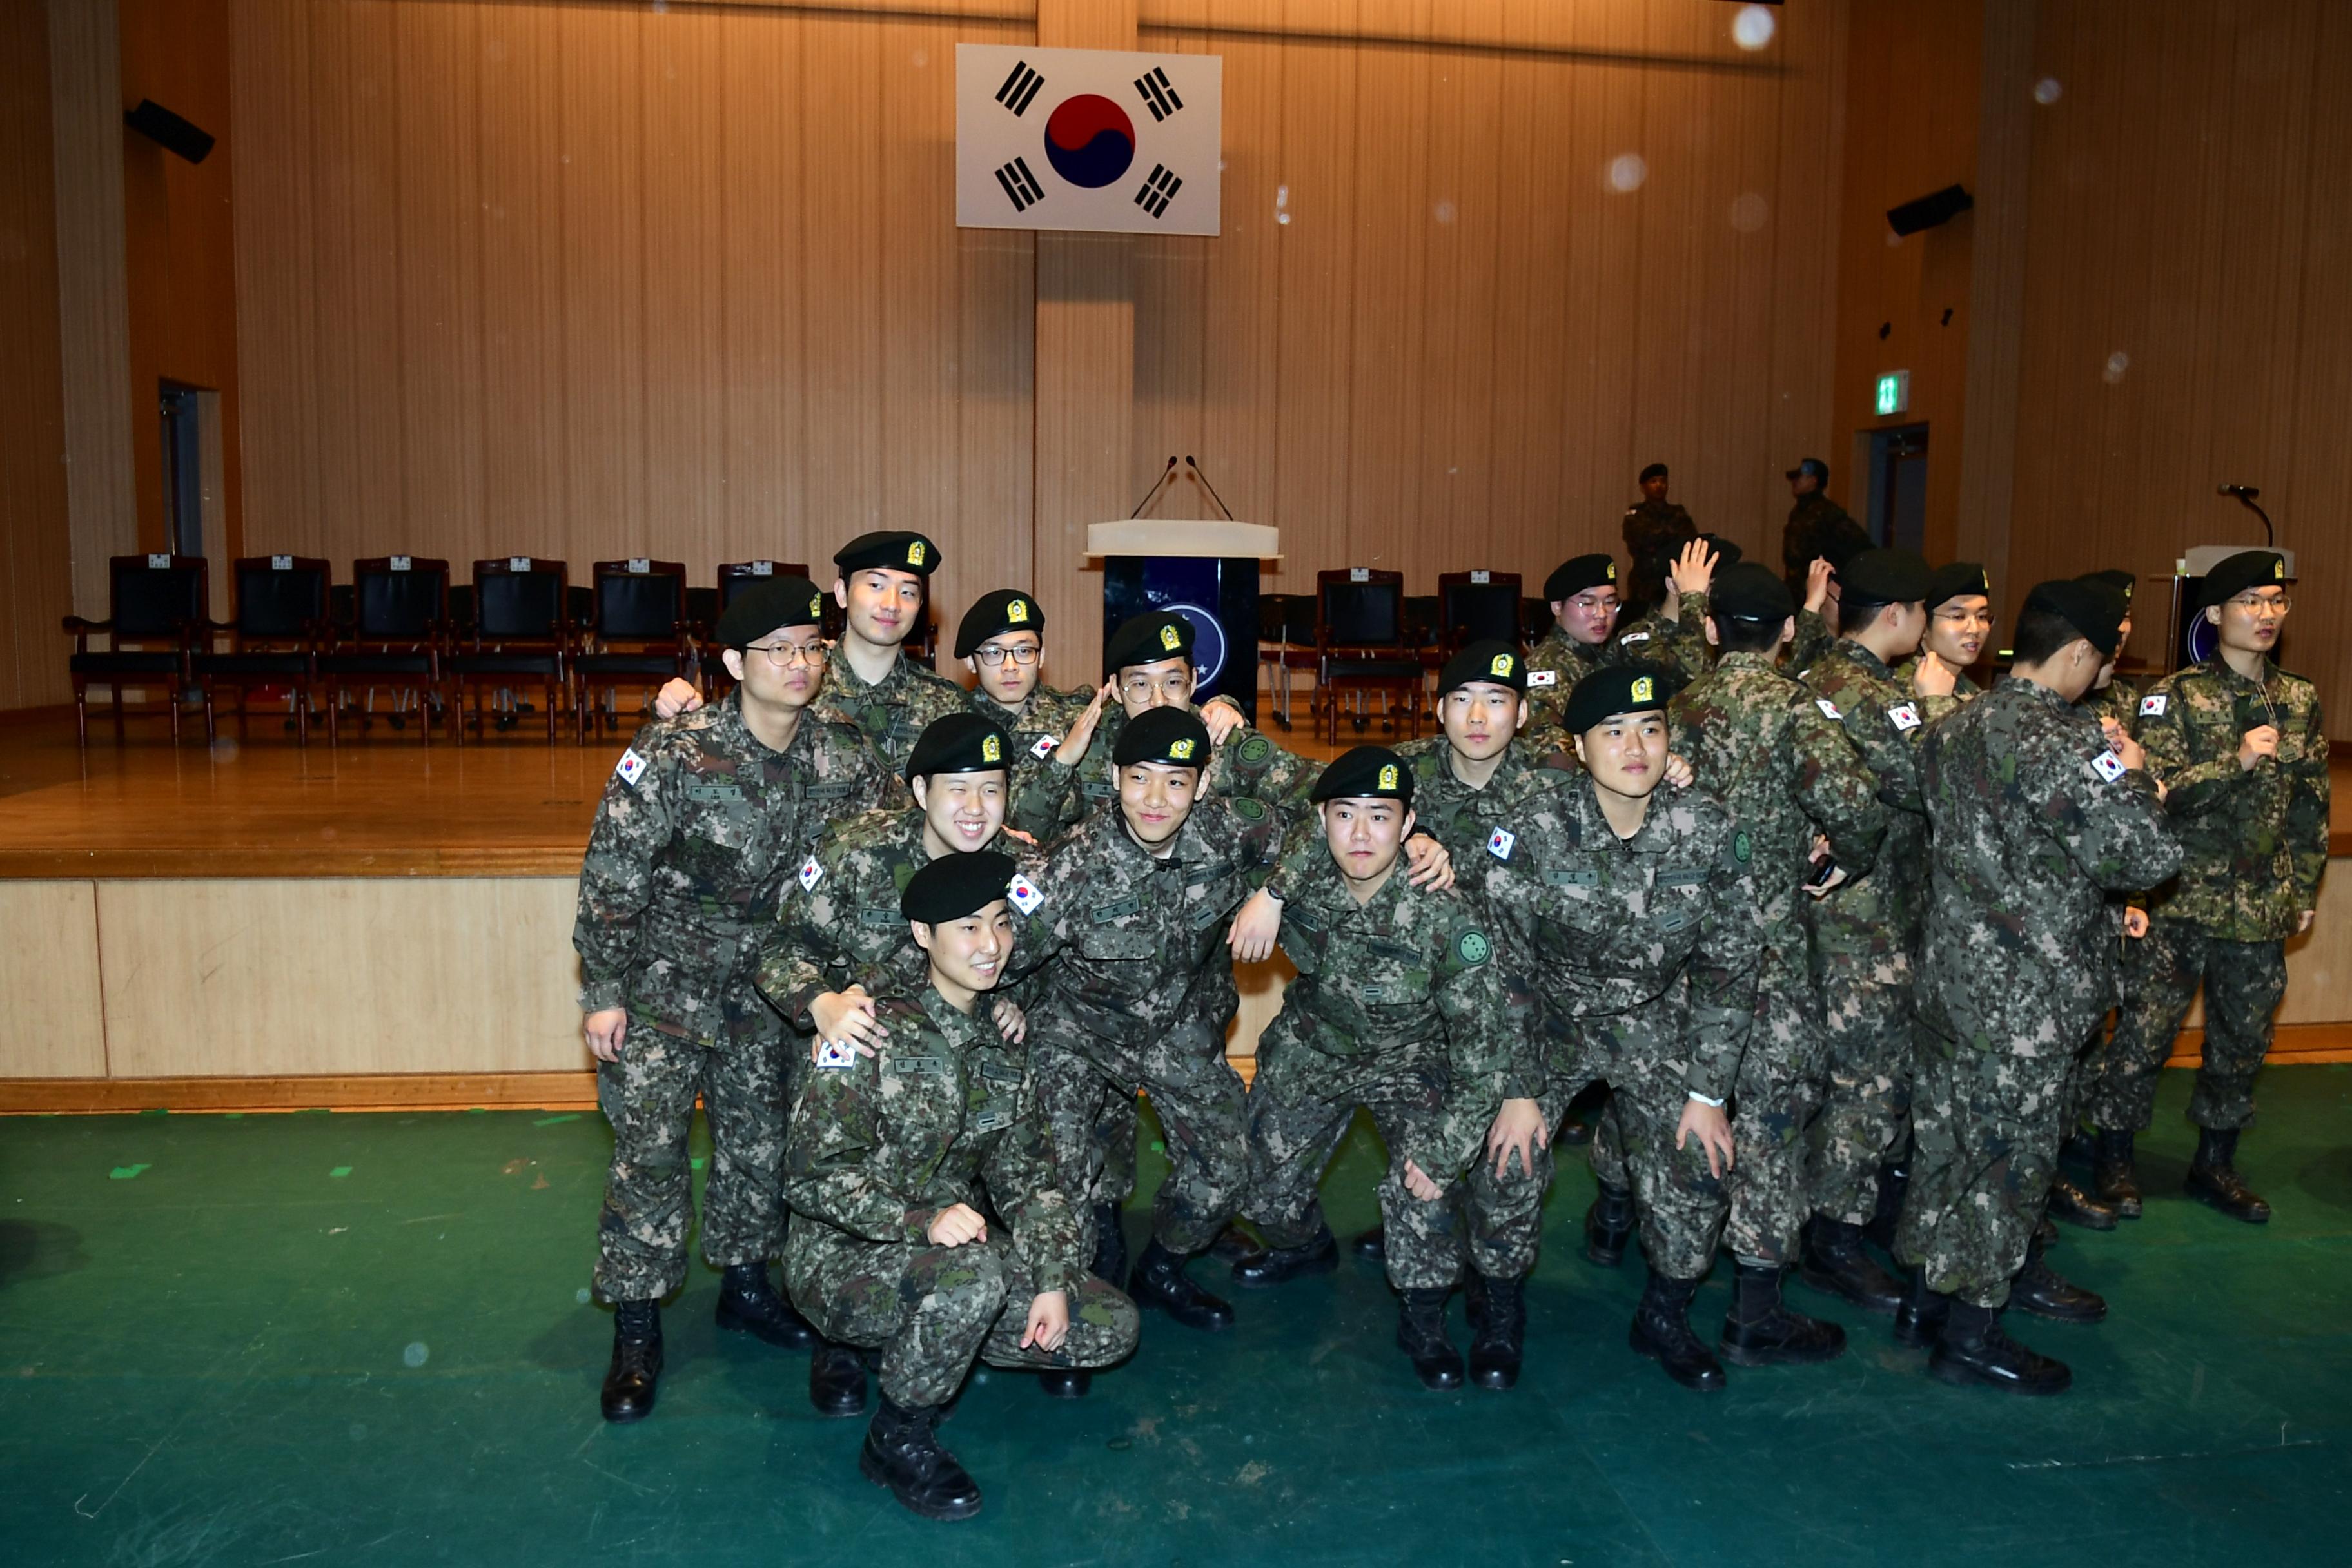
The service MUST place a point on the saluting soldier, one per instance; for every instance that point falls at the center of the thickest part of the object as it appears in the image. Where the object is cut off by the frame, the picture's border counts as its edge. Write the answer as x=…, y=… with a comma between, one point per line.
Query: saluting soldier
x=700, y=827
x=1673, y=635
x=1002, y=640
x=1655, y=530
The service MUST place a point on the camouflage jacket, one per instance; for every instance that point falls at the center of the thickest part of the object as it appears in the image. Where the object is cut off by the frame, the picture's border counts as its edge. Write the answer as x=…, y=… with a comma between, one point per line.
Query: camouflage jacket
x=1907, y=676
x=1815, y=524
x=1813, y=639
x=839, y=923
x=1678, y=647
x=2035, y=821
x=1123, y=943
x=2255, y=840
x=1036, y=730
x=2119, y=700
x=1249, y=765
x=945, y=1107
x=1409, y=977
x=893, y=711
x=1462, y=818
x=1885, y=721
x=1589, y=923
x=699, y=827
x=1554, y=666
x=1758, y=742
x=1654, y=531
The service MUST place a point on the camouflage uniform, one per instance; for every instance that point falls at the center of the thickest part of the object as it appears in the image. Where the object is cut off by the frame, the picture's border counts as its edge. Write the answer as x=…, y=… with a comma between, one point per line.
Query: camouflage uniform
x=1864, y=934
x=2119, y=700
x=1813, y=639
x=893, y=711
x=2256, y=845
x=1639, y=958
x=878, y=1148
x=1907, y=676
x=1038, y=726
x=1678, y=646
x=1249, y=765
x=2032, y=819
x=1554, y=666
x=697, y=831
x=1400, y=1007
x=1816, y=527
x=1134, y=986
x=1654, y=532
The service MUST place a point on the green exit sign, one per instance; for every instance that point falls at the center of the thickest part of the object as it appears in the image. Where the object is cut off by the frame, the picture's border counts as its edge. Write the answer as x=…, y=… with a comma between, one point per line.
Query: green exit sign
x=1893, y=392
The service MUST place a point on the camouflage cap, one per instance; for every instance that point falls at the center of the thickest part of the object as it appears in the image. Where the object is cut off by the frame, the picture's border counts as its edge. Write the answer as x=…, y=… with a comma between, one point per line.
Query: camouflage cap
x=1005, y=610
x=1148, y=638
x=891, y=551
x=1958, y=581
x=954, y=886
x=958, y=743
x=1622, y=689
x=768, y=607
x=1813, y=466
x=2233, y=574
x=1577, y=574
x=1365, y=773
x=1174, y=737
x=1488, y=662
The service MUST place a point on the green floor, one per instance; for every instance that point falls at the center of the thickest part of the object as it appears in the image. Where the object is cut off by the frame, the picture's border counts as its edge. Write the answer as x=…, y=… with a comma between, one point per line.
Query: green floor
x=334, y=1339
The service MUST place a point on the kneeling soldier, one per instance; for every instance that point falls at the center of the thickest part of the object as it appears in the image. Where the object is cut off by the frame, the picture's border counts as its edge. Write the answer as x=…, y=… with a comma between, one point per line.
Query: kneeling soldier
x=886, y=1164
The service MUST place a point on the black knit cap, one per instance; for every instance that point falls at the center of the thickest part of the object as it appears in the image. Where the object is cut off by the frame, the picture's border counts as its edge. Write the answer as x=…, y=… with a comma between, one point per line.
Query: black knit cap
x=1623, y=688
x=892, y=550
x=1365, y=773
x=1490, y=661
x=954, y=886
x=2116, y=577
x=1005, y=610
x=1654, y=471
x=2093, y=609
x=1750, y=591
x=1148, y=638
x=768, y=607
x=959, y=743
x=1888, y=577
x=1955, y=581
x=1574, y=575
x=1172, y=736
x=2233, y=574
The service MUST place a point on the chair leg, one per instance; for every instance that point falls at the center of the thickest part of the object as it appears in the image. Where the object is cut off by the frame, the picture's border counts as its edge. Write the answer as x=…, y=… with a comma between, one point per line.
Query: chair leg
x=212, y=732
x=179, y=699
x=81, y=713
x=114, y=704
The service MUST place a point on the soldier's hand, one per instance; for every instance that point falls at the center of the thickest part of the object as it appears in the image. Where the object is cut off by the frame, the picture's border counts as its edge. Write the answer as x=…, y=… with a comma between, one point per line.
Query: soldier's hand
x=956, y=1225
x=677, y=696
x=603, y=1030
x=1011, y=1022
x=1678, y=770
x=1049, y=1322
x=1518, y=1130
x=2136, y=922
x=1817, y=583
x=2302, y=921
x=2260, y=741
x=2128, y=752
x=1694, y=569
x=1014, y=832
x=1081, y=733
x=1934, y=678
x=1428, y=863
x=845, y=1016
x=1223, y=716
x=1712, y=1128
x=1255, y=929
x=1418, y=1183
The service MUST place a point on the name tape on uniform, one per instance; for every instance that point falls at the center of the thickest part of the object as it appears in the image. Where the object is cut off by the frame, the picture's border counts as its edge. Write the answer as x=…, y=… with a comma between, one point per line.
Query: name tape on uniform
x=2152, y=705
x=1828, y=707
x=1501, y=842
x=630, y=767
x=2108, y=766
x=1905, y=717
x=1024, y=895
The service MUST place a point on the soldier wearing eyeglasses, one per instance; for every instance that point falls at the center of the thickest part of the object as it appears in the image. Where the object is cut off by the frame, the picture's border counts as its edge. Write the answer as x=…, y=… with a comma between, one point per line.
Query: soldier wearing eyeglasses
x=1002, y=640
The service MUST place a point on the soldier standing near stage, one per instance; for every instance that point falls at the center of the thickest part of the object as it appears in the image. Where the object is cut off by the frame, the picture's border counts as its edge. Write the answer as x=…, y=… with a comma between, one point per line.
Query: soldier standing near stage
x=1959, y=623
x=1002, y=639
x=1655, y=530
x=1582, y=594
x=2239, y=743
x=1818, y=528
x=704, y=819
x=2036, y=815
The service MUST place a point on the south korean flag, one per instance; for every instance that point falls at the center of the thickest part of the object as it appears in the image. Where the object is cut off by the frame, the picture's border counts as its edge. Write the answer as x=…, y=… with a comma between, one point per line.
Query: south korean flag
x=1091, y=140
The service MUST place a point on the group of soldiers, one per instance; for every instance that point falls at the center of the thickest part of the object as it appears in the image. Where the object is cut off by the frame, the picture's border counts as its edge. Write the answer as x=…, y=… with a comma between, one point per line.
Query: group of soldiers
x=1837, y=934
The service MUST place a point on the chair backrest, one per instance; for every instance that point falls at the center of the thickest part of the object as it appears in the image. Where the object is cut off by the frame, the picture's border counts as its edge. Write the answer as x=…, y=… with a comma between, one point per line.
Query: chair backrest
x=1420, y=620
x=280, y=597
x=518, y=596
x=155, y=595
x=1535, y=621
x=399, y=598
x=1473, y=606
x=1356, y=606
x=734, y=577
x=638, y=600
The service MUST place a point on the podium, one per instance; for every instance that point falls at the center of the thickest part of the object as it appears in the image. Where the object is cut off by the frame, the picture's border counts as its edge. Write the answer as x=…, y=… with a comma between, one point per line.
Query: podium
x=1205, y=571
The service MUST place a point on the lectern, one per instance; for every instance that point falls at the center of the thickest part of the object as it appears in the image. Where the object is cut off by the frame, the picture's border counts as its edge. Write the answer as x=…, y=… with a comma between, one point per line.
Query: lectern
x=1204, y=571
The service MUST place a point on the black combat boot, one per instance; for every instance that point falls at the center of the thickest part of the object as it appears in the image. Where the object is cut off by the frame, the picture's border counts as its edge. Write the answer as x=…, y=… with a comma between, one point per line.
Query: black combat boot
x=2112, y=1176
x=2078, y=1150
x=2041, y=1291
x=1159, y=1281
x=1233, y=1243
x=750, y=1305
x=1973, y=1348
x=1609, y=1225
x=837, y=1380
x=1662, y=1331
x=902, y=1452
x=2045, y=1231
x=1834, y=1262
x=1919, y=1320
x=1760, y=1330
x=631, y=1382
x=1498, y=1326
x=1065, y=1382
x=1371, y=1246
x=1110, y=1246
x=1421, y=1334
x=1273, y=1265
x=2076, y=1206
x=2213, y=1178
x=1894, y=1180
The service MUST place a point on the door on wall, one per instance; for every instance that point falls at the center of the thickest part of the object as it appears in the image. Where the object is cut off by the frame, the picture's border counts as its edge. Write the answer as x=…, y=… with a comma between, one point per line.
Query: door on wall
x=1898, y=486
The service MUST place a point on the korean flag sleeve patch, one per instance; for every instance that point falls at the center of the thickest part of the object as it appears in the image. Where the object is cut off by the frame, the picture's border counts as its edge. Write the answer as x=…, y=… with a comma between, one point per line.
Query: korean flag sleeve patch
x=1829, y=709
x=1023, y=895
x=1543, y=678
x=2152, y=706
x=1905, y=717
x=1046, y=747
x=2108, y=766
x=1501, y=842
x=811, y=874
x=630, y=768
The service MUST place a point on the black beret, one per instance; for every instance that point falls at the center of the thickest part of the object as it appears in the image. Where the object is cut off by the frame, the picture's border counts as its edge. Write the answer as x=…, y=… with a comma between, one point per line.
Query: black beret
x=954, y=886
x=1148, y=638
x=1889, y=577
x=1621, y=689
x=1493, y=662
x=1842, y=546
x=2093, y=609
x=894, y=550
x=2233, y=574
x=1750, y=590
x=1573, y=576
x=769, y=607
x=1955, y=581
x=1365, y=773
x=1172, y=736
x=1726, y=551
x=1005, y=610
x=958, y=743
x=1654, y=471
x=2114, y=577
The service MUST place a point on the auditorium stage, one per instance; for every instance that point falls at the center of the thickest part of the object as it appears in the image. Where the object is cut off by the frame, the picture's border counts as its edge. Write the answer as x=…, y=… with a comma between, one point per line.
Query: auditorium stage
x=255, y=925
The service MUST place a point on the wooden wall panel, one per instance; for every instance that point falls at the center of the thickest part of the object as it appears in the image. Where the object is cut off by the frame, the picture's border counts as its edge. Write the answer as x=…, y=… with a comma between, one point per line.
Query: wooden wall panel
x=48, y=971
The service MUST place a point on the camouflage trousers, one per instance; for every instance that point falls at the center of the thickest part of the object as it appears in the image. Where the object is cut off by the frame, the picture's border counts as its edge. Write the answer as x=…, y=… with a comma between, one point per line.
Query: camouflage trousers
x=931, y=1311
x=1199, y=1098
x=648, y=1097
x=1866, y=1088
x=1299, y=1109
x=2244, y=983
x=1115, y=1132
x=1985, y=1130
x=1681, y=1205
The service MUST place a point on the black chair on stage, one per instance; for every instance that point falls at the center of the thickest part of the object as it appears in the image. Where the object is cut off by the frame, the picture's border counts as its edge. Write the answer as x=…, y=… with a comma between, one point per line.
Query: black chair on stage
x=734, y=577
x=155, y=612
x=638, y=634
x=399, y=618
x=1361, y=648
x=521, y=636
x=1535, y=621
x=280, y=617
x=1475, y=607
x=1285, y=641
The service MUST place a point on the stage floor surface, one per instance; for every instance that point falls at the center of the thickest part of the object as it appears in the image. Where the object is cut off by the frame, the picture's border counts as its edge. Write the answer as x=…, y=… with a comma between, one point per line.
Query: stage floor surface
x=366, y=1339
